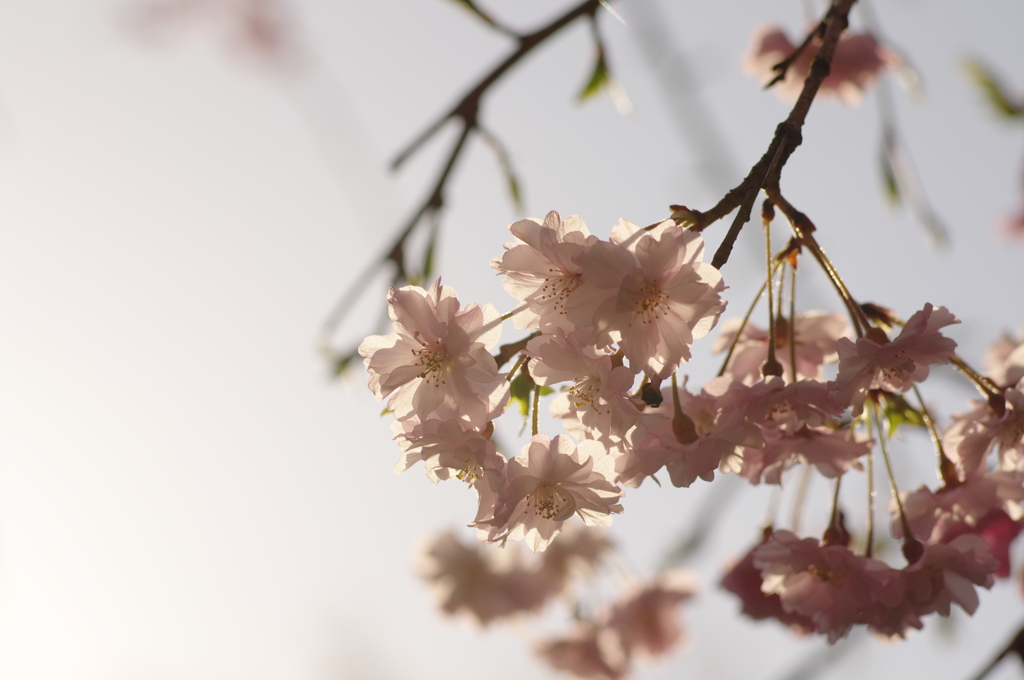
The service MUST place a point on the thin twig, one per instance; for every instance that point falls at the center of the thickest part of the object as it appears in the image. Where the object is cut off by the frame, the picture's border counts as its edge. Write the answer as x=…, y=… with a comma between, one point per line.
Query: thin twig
x=466, y=112
x=787, y=138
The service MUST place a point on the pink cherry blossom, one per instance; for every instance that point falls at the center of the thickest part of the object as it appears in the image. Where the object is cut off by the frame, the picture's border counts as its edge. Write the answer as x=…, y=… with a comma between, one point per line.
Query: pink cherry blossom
x=857, y=63
x=600, y=391
x=483, y=585
x=647, y=621
x=648, y=291
x=947, y=573
x=829, y=584
x=966, y=501
x=814, y=343
x=874, y=363
x=448, y=450
x=972, y=436
x=744, y=580
x=996, y=527
x=1004, y=361
x=550, y=482
x=577, y=551
x=589, y=651
x=784, y=424
x=659, y=443
x=437, y=362
x=540, y=270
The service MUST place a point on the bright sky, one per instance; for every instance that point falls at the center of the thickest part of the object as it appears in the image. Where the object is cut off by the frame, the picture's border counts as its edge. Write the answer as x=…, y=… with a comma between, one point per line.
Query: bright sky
x=185, y=495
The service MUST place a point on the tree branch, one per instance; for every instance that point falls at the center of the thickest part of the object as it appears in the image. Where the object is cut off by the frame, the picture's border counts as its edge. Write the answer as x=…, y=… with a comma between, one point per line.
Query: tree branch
x=466, y=111
x=787, y=138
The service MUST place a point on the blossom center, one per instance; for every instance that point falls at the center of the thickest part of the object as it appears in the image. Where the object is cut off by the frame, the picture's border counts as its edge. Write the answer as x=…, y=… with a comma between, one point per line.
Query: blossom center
x=470, y=473
x=433, y=360
x=781, y=411
x=548, y=501
x=557, y=288
x=585, y=391
x=650, y=306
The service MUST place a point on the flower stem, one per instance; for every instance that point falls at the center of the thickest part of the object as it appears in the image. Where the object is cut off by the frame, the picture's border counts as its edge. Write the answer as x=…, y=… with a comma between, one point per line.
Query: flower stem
x=771, y=366
x=912, y=548
x=535, y=426
x=947, y=470
x=803, y=229
x=993, y=395
x=792, y=320
x=869, y=548
x=743, y=324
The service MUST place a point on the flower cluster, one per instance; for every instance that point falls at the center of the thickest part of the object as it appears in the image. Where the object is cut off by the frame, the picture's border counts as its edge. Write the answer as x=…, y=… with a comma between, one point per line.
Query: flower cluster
x=610, y=324
x=606, y=313
x=811, y=586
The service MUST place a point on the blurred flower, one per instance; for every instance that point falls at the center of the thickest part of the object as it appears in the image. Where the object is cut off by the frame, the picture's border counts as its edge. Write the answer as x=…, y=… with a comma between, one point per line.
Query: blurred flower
x=647, y=621
x=857, y=63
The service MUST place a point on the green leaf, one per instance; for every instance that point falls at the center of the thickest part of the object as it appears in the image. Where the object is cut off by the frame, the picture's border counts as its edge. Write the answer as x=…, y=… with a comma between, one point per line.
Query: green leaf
x=506, y=167
x=992, y=89
x=898, y=412
x=521, y=391
x=598, y=78
x=892, y=187
x=428, y=255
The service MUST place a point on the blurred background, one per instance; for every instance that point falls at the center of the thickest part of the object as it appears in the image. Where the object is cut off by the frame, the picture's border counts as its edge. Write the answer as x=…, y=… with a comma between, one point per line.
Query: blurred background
x=187, y=494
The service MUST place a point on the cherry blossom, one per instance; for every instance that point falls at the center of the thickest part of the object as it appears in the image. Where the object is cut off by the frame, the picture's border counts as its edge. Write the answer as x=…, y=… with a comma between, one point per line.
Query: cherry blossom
x=1004, y=360
x=600, y=391
x=967, y=501
x=550, y=482
x=648, y=291
x=437, y=362
x=874, y=362
x=828, y=584
x=744, y=580
x=647, y=621
x=996, y=527
x=972, y=436
x=578, y=550
x=587, y=652
x=947, y=573
x=448, y=450
x=857, y=63
x=469, y=581
x=784, y=424
x=540, y=270
x=814, y=344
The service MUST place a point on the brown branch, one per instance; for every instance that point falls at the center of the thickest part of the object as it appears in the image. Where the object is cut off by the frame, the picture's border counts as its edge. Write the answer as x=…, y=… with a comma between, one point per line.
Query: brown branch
x=468, y=106
x=787, y=138
x=506, y=352
x=783, y=66
x=804, y=230
x=465, y=111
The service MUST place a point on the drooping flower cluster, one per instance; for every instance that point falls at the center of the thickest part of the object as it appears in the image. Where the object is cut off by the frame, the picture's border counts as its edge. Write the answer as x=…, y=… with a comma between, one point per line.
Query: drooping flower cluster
x=607, y=311
x=828, y=589
x=611, y=326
